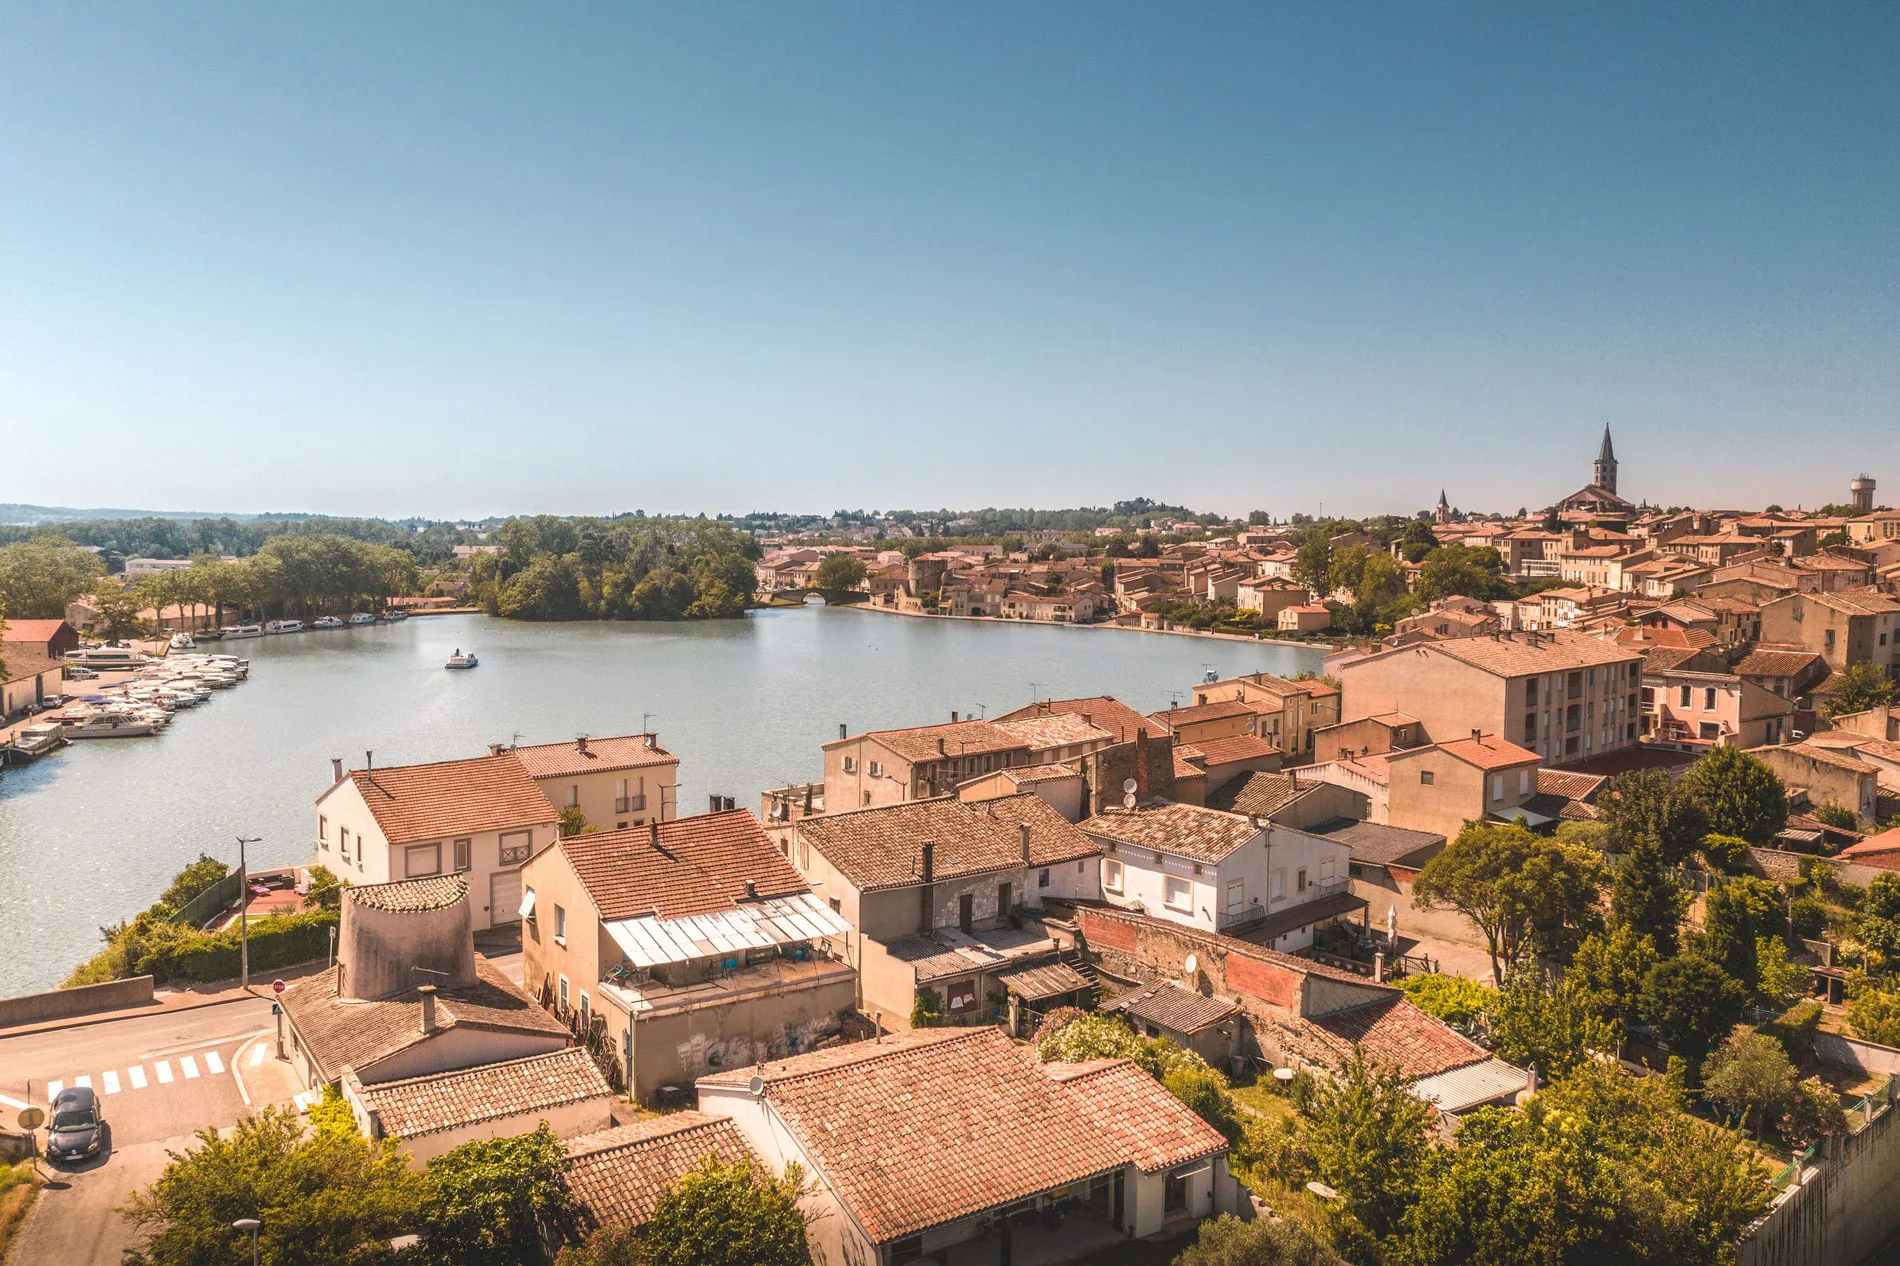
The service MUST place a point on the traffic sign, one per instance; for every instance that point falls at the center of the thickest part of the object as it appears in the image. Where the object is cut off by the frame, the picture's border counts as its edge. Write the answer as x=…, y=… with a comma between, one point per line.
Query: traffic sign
x=31, y=1118
x=276, y=986
x=276, y=1008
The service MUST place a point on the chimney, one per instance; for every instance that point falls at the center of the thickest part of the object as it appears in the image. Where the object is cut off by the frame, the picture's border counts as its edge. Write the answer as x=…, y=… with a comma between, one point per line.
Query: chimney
x=930, y=860
x=1141, y=762
x=751, y=890
x=926, y=896
x=841, y=730
x=494, y=749
x=336, y=770
x=580, y=744
x=428, y=1008
x=729, y=804
x=1088, y=718
x=953, y=716
x=940, y=750
x=1477, y=735
x=712, y=804
x=1025, y=830
x=652, y=742
x=653, y=833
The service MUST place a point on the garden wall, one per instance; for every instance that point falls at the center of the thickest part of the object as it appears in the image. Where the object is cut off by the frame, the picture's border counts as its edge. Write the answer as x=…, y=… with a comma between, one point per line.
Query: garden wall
x=58, y=1004
x=1844, y=1210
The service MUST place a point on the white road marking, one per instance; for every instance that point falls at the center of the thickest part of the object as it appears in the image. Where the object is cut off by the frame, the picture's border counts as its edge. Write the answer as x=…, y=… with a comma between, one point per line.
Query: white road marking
x=137, y=1074
x=164, y=1070
x=257, y=1054
x=188, y=1066
x=14, y=1103
x=214, y=1061
x=111, y=1077
x=83, y=1080
x=52, y=1090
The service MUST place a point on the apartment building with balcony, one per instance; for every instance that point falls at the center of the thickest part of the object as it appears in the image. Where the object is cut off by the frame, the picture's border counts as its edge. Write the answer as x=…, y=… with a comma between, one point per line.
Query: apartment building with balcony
x=1695, y=711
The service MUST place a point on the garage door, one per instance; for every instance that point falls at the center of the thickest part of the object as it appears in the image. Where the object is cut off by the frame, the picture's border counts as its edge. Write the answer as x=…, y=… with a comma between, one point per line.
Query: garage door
x=504, y=904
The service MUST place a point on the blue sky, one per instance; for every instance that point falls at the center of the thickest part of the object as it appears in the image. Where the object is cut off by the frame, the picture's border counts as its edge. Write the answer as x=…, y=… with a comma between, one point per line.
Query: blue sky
x=462, y=259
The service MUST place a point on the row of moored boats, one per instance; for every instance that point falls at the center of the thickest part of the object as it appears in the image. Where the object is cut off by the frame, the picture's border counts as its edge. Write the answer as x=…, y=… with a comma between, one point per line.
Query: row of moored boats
x=142, y=704
x=186, y=641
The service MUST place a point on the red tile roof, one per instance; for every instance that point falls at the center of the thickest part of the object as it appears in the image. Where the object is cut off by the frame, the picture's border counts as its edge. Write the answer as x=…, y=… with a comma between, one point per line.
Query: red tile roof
x=1136, y=1112
x=1105, y=711
x=883, y=847
x=1206, y=835
x=1397, y=1034
x=619, y=1175
x=455, y=797
x=592, y=756
x=1234, y=748
x=1218, y=710
x=417, y=1106
x=930, y=1126
x=683, y=867
x=1487, y=753
x=39, y=631
x=924, y=743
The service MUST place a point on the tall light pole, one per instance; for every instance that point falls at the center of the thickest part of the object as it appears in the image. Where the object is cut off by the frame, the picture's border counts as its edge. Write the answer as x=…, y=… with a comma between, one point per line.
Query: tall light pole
x=251, y=1225
x=244, y=931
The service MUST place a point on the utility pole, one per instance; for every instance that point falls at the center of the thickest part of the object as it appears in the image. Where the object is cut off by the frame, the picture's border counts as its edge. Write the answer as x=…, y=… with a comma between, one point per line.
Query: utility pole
x=244, y=922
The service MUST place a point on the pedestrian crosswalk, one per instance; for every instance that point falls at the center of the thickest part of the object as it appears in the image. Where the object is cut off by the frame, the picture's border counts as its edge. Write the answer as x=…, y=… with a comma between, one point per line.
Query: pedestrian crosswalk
x=153, y=1073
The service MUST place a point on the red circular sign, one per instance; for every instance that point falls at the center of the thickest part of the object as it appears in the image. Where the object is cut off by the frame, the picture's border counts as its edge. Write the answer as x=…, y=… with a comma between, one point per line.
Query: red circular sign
x=276, y=986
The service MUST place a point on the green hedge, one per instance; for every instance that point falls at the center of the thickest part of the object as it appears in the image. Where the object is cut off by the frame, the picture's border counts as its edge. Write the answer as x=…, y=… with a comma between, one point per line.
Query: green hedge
x=171, y=952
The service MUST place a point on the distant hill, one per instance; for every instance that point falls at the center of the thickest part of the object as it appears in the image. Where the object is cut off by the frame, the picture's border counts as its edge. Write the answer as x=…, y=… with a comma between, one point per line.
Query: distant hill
x=14, y=513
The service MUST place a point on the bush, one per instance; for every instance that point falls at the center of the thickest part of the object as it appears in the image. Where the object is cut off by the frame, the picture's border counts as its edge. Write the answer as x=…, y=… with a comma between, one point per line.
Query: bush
x=1724, y=852
x=927, y=1010
x=1227, y=1241
x=1453, y=999
x=1811, y=1112
x=1795, y=1029
x=1204, y=1091
x=1874, y=1015
x=1808, y=917
x=192, y=880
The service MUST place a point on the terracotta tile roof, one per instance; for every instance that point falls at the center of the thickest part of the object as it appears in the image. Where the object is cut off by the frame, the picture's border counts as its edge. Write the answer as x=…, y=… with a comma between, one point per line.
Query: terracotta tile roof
x=1487, y=753
x=958, y=738
x=1061, y=729
x=410, y=896
x=454, y=797
x=1516, y=657
x=1662, y=659
x=1887, y=841
x=1039, y=981
x=1206, y=835
x=1204, y=712
x=1762, y=663
x=924, y=1128
x=883, y=847
x=1397, y=1034
x=619, y=1175
x=1105, y=711
x=20, y=665
x=1845, y=758
x=1569, y=784
x=1185, y=770
x=1235, y=748
x=1257, y=793
x=30, y=630
x=445, y=1101
x=700, y=864
x=1169, y=1006
x=337, y=1032
x=1282, y=686
x=1137, y=1114
x=1025, y=774
x=592, y=756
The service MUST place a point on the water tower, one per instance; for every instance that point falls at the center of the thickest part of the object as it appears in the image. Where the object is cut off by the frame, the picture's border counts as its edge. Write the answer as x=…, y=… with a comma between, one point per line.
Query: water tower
x=1862, y=489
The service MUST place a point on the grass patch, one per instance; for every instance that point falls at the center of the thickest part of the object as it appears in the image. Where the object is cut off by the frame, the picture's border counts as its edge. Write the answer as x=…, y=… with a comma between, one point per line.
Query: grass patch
x=1260, y=1101
x=19, y=1187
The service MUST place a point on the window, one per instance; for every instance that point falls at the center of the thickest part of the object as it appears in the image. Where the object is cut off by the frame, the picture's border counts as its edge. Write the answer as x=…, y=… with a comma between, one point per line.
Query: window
x=1523, y=782
x=1497, y=786
x=1042, y=878
x=422, y=859
x=1326, y=870
x=837, y=906
x=876, y=769
x=907, y=1250
x=573, y=795
x=1004, y=901
x=1175, y=1195
x=1279, y=885
x=1708, y=699
x=560, y=924
x=516, y=846
x=1236, y=896
x=463, y=849
x=564, y=993
x=1299, y=880
x=343, y=842
x=1178, y=893
x=961, y=995
x=1425, y=777
x=584, y=1010
x=323, y=830
x=1112, y=875
x=527, y=904
x=850, y=764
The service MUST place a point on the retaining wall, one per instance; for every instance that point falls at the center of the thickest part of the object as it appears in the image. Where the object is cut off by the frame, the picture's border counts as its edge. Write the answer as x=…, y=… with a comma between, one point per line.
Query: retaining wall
x=1846, y=1207
x=58, y=1004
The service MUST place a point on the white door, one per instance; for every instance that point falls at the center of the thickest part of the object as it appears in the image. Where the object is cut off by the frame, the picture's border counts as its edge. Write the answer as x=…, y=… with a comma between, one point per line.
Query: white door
x=504, y=902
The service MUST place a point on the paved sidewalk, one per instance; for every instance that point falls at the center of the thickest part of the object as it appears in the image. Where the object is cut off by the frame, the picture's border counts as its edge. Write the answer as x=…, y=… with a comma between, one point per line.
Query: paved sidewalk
x=175, y=998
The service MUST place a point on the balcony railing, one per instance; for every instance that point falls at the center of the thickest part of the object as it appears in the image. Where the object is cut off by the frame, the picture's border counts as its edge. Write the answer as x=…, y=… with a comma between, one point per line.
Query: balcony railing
x=1316, y=891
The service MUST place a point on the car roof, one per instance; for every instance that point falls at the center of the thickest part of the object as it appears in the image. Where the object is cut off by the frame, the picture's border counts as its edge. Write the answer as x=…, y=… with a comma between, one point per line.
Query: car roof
x=75, y=1097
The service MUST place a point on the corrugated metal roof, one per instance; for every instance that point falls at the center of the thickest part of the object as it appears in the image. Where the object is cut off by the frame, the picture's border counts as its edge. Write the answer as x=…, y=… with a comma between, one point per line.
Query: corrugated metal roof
x=650, y=941
x=1043, y=980
x=1466, y=1087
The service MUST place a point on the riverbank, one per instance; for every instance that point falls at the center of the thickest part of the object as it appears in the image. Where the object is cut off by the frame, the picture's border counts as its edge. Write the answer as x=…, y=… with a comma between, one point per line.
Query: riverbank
x=1319, y=648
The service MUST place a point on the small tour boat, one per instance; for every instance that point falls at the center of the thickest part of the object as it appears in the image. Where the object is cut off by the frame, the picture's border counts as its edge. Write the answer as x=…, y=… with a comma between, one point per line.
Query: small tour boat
x=184, y=642
x=243, y=630
x=394, y=614
x=284, y=626
x=326, y=622
x=462, y=659
x=363, y=617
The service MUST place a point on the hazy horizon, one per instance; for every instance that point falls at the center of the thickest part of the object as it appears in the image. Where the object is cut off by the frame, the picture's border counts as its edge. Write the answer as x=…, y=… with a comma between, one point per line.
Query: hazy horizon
x=449, y=261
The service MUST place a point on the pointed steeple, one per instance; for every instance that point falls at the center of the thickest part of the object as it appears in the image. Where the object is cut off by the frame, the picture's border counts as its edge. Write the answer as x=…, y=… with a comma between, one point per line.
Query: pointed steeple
x=1608, y=452
x=1441, y=498
x=1606, y=463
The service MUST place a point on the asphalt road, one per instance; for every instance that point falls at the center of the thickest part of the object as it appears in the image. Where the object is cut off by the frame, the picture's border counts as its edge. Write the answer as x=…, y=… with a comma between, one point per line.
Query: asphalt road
x=160, y=1078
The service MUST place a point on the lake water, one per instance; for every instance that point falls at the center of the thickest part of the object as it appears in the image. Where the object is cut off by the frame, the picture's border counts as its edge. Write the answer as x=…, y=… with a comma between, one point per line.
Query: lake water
x=92, y=834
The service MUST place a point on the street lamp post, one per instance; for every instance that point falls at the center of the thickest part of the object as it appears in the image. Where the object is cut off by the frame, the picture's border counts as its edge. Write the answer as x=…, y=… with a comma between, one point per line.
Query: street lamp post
x=251, y=1225
x=244, y=923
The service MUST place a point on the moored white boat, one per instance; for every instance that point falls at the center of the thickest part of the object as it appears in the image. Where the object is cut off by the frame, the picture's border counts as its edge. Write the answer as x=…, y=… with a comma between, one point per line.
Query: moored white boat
x=284, y=626
x=326, y=622
x=182, y=641
x=242, y=630
x=363, y=617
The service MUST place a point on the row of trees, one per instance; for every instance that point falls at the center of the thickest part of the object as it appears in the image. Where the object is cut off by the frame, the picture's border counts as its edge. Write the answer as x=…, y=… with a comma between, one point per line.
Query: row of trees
x=620, y=569
x=154, y=537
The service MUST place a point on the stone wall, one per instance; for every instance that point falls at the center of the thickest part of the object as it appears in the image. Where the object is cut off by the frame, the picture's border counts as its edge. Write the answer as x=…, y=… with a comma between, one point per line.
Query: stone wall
x=1842, y=1211
x=60, y=1004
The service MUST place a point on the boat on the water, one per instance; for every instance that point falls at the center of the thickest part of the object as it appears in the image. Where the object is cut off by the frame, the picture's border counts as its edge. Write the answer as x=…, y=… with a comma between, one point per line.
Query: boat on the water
x=394, y=614
x=462, y=659
x=326, y=622
x=363, y=617
x=109, y=723
x=284, y=626
x=182, y=641
x=32, y=742
x=105, y=658
x=242, y=630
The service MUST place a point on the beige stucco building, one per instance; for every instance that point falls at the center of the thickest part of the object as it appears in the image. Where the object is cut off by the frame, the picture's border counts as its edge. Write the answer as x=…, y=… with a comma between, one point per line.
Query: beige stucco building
x=1288, y=711
x=627, y=780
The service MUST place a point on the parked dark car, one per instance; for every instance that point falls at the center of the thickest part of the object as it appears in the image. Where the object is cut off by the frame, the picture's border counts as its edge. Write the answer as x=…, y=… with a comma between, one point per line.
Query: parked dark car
x=77, y=1130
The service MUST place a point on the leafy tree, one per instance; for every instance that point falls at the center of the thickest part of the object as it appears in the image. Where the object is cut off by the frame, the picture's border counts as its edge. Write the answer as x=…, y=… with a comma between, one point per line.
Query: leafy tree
x=1874, y=1015
x=1724, y=852
x=331, y=1114
x=1608, y=974
x=1779, y=980
x=1313, y=565
x=574, y=822
x=1807, y=917
x=1837, y=816
x=41, y=576
x=1858, y=687
x=1649, y=804
x=1516, y=887
x=1462, y=570
x=1811, y=1112
x=1227, y=1241
x=326, y=890
x=1204, y=1091
x=1693, y=1003
x=192, y=880
x=1739, y=793
x=1749, y=1075
x=323, y=1198
x=1591, y=835
x=839, y=573
x=1453, y=999
x=1882, y=897
x=488, y=1201
x=615, y=1244
x=1370, y=1139
x=1550, y=1026
x=926, y=1009
x=729, y=1214
x=1729, y=934
x=119, y=605
x=1646, y=898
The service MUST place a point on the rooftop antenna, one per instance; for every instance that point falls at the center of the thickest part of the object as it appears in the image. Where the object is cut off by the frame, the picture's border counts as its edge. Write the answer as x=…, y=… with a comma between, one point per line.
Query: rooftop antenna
x=514, y=740
x=646, y=723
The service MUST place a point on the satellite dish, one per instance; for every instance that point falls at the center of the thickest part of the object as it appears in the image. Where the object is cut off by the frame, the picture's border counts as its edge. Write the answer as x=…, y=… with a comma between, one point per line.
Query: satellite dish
x=756, y=1086
x=1128, y=801
x=1129, y=785
x=1193, y=964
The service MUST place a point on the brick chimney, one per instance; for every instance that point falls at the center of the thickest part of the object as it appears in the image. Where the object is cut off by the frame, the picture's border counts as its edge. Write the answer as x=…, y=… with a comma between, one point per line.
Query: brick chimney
x=428, y=1008
x=1025, y=830
x=953, y=716
x=494, y=749
x=336, y=770
x=580, y=744
x=1141, y=762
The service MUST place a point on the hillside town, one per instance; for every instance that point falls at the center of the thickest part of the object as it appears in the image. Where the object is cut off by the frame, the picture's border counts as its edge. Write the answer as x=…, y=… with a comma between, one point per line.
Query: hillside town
x=1037, y=986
